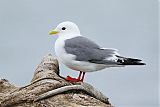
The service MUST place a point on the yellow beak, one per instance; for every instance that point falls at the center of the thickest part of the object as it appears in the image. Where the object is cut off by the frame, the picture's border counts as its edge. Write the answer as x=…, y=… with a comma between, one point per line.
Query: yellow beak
x=53, y=32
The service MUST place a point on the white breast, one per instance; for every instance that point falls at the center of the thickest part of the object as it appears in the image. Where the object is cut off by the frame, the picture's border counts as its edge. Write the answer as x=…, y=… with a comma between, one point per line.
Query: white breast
x=61, y=53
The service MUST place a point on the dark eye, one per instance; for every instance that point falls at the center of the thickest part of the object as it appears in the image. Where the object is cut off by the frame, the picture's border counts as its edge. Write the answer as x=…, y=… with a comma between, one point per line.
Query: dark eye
x=63, y=28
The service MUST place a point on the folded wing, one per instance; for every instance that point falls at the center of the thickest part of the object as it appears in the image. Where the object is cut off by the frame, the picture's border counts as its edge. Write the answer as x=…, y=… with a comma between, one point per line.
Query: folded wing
x=86, y=50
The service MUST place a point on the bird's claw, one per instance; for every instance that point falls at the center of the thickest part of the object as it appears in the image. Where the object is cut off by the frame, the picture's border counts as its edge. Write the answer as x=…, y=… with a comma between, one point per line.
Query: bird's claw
x=72, y=79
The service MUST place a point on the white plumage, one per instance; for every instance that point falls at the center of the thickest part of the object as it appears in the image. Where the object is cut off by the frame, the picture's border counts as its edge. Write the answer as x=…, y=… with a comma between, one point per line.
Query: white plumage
x=82, y=54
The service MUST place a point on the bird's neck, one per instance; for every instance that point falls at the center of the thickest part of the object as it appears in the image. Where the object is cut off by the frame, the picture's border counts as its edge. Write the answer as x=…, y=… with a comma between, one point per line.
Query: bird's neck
x=68, y=36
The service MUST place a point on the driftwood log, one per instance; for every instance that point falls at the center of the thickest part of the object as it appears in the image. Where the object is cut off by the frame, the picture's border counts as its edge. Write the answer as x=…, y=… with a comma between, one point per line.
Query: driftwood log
x=49, y=89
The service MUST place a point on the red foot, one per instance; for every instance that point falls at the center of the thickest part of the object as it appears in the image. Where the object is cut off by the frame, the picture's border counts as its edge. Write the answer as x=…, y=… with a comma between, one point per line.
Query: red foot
x=72, y=79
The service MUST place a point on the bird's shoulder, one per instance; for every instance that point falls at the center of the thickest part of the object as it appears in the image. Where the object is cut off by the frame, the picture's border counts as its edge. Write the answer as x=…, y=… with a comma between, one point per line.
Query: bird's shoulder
x=80, y=41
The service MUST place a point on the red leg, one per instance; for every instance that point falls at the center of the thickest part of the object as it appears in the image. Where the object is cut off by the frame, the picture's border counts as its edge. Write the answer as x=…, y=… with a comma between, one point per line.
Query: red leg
x=83, y=76
x=74, y=79
x=79, y=77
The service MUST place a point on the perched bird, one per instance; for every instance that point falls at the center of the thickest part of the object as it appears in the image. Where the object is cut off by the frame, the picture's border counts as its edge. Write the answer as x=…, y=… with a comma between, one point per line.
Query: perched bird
x=81, y=54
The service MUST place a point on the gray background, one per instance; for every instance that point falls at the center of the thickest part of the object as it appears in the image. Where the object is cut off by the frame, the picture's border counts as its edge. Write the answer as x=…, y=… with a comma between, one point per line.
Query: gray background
x=131, y=26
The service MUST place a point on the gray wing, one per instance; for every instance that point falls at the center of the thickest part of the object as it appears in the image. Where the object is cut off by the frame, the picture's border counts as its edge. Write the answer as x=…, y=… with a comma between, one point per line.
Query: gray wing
x=86, y=50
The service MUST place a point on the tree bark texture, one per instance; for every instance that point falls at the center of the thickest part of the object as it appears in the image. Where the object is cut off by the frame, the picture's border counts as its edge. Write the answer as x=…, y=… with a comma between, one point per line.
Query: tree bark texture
x=49, y=89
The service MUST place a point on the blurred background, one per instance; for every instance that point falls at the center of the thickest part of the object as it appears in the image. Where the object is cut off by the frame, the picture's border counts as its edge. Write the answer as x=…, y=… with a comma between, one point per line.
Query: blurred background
x=131, y=26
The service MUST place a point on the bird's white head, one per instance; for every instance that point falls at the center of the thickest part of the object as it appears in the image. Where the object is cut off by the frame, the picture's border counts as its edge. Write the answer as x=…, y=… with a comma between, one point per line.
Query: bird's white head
x=65, y=28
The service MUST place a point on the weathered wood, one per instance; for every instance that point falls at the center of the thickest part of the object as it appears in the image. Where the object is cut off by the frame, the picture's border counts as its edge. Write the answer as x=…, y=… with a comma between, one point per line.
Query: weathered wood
x=49, y=89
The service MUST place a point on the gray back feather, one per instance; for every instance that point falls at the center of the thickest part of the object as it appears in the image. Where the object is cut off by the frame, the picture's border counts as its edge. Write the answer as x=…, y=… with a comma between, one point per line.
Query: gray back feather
x=86, y=50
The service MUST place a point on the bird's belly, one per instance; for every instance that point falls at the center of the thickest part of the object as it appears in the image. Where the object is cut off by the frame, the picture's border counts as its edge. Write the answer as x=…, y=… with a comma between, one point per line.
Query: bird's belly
x=85, y=66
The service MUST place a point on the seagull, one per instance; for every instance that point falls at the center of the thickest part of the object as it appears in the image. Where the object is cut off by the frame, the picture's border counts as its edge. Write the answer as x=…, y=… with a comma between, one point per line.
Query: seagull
x=81, y=54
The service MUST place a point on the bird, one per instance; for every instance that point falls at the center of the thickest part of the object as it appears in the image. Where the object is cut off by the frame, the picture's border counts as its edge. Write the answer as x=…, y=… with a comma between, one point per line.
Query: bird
x=82, y=54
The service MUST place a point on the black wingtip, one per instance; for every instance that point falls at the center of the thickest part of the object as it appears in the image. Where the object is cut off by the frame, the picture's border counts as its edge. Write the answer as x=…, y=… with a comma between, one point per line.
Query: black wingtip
x=130, y=61
x=133, y=63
